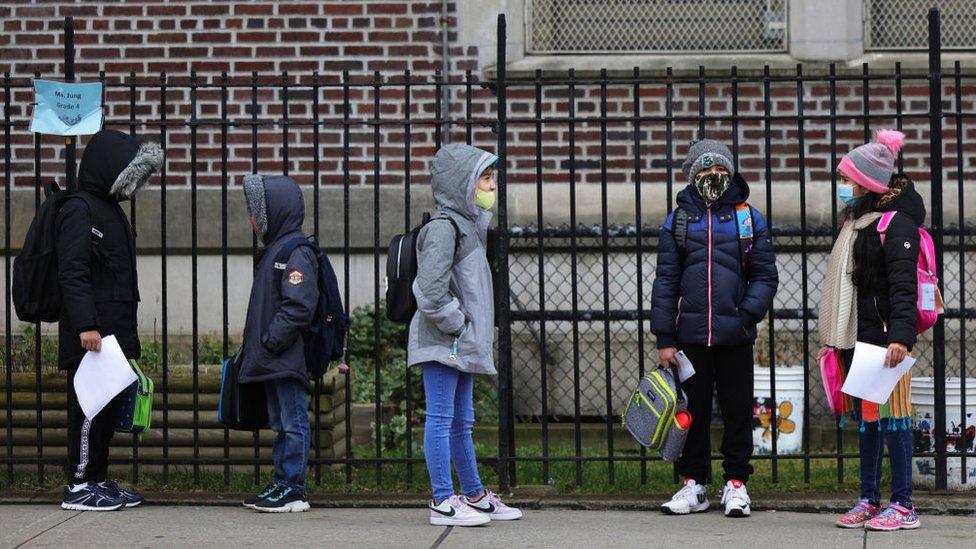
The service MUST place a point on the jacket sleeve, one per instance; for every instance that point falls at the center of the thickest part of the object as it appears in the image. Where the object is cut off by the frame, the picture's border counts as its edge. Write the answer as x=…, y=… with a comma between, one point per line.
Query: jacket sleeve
x=432, y=287
x=299, y=298
x=74, y=251
x=666, y=289
x=901, y=250
x=763, y=278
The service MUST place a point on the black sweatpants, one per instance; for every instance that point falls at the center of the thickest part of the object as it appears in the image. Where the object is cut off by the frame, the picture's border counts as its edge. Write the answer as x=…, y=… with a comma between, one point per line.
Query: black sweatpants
x=729, y=371
x=88, y=440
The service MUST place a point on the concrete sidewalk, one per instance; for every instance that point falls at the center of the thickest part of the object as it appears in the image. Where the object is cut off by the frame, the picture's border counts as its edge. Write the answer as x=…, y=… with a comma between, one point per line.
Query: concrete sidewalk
x=209, y=527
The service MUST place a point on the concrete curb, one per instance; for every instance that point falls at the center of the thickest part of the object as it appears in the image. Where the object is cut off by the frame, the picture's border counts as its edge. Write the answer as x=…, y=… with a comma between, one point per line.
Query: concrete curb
x=929, y=504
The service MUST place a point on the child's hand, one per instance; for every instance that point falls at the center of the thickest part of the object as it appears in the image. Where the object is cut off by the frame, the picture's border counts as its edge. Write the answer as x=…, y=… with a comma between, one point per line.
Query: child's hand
x=896, y=353
x=666, y=357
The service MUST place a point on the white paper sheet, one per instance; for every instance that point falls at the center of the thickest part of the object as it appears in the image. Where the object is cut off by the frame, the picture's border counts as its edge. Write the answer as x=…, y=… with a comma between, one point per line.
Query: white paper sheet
x=685, y=369
x=868, y=378
x=101, y=376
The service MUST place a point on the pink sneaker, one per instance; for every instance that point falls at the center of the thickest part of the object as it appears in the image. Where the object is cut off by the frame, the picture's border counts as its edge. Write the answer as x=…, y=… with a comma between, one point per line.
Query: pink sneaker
x=492, y=505
x=895, y=517
x=858, y=515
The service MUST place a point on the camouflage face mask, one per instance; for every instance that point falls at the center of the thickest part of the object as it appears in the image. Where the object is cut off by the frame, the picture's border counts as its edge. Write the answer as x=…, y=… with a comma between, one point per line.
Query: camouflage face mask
x=711, y=186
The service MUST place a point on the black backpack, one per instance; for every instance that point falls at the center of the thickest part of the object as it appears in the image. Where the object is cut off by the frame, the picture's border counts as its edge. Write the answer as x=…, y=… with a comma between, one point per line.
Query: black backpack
x=36, y=291
x=325, y=338
x=401, y=270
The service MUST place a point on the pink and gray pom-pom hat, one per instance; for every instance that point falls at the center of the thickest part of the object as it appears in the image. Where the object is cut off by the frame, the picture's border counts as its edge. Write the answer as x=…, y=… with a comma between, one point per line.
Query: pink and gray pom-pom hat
x=872, y=164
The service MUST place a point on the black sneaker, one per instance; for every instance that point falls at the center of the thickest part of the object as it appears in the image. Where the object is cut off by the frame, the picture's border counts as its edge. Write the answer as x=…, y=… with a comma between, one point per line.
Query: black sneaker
x=90, y=498
x=253, y=500
x=284, y=499
x=131, y=499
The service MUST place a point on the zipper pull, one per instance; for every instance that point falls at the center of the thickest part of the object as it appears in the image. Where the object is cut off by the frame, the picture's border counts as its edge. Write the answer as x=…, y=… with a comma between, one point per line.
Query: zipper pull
x=454, y=350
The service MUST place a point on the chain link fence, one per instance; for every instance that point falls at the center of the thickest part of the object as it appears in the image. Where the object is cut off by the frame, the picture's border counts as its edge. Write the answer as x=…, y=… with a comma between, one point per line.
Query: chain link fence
x=551, y=357
x=649, y=26
x=900, y=24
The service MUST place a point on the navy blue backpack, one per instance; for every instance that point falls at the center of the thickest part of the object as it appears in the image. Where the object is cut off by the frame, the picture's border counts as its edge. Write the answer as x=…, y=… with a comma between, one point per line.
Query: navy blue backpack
x=325, y=338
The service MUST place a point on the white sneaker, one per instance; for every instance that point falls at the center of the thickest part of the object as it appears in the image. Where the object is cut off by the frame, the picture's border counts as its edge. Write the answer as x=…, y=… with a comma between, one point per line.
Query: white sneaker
x=492, y=505
x=736, y=499
x=691, y=498
x=454, y=512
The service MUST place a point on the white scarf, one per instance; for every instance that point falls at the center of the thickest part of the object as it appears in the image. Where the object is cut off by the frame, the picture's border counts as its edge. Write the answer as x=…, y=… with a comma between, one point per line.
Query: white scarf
x=838, y=301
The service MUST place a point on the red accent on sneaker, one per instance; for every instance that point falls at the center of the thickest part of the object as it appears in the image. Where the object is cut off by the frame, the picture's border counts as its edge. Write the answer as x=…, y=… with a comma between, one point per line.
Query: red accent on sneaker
x=737, y=483
x=688, y=479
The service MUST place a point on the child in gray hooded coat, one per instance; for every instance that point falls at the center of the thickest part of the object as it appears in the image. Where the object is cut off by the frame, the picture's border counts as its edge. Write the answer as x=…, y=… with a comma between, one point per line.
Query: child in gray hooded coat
x=452, y=333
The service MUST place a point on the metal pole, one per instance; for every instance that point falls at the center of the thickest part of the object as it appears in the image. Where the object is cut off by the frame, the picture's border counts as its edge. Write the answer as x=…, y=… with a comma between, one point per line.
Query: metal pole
x=69, y=76
x=935, y=165
x=502, y=297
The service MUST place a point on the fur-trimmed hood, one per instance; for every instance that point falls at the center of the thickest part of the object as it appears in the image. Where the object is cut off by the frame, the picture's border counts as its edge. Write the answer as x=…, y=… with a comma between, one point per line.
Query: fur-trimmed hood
x=276, y=203
x=115, y=165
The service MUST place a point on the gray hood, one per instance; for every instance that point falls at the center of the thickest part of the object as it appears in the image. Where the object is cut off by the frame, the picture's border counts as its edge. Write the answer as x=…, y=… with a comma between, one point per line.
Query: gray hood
x=454, y=176
x=277, y=203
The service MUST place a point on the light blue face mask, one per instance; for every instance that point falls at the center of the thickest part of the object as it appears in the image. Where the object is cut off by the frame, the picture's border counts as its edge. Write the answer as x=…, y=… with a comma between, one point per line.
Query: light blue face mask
x=846, y=194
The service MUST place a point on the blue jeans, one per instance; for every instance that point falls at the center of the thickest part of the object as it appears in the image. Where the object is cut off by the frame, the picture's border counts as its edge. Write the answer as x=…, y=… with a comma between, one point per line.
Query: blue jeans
x=288, y=416
x=447, y=431
x=899, y=454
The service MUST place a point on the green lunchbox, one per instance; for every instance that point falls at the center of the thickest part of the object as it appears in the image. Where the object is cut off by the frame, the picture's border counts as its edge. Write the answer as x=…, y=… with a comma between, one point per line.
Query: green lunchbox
x=135, y=406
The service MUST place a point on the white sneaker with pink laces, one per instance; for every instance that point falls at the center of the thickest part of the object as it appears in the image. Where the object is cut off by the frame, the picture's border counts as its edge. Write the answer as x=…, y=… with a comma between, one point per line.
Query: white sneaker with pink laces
x=454, y=512
x=491, y=505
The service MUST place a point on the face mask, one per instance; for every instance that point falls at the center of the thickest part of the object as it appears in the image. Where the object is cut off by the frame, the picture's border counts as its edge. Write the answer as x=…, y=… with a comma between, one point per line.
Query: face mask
x=711, y=186
x=846, y=194
x=484, y=199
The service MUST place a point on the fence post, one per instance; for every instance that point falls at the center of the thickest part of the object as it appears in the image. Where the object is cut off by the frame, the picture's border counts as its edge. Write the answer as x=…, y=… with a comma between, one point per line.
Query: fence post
x=935, y=165
x=69, y=76
x=505, y=418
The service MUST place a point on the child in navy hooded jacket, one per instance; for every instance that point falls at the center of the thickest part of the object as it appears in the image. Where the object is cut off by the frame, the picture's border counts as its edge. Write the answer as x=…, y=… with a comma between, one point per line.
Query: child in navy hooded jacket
x=707, y=302
x=282, y=304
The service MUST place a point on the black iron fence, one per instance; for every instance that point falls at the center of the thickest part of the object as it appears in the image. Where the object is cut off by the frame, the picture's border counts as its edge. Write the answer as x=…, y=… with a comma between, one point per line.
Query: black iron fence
x=595, y=159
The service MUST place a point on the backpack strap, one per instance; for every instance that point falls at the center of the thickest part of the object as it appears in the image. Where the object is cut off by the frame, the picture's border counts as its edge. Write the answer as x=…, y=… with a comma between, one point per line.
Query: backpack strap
x=679, y=228
x=96, y=229
x=883, y=224
x=746, y=230
x=281, y=258
x=457, y=230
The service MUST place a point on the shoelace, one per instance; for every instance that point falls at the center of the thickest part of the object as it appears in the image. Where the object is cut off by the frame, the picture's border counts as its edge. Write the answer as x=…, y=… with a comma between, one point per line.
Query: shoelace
x=682, y=493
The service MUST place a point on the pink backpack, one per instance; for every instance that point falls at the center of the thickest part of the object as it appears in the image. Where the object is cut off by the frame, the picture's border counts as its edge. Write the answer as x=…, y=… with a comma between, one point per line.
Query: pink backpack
x=832, y=375
x=929, y=305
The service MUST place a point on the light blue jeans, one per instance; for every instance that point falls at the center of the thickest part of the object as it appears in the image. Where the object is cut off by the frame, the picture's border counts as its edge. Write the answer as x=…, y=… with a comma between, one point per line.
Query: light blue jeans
x=447, y=431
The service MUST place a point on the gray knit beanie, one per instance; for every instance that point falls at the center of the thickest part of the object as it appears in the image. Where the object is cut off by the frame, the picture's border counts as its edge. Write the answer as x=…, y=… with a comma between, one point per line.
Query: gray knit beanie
x=705, y=154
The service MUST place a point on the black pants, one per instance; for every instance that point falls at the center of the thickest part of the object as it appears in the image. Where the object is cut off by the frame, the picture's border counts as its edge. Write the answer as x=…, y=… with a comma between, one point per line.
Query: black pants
x=729, y=371
x=88, y=440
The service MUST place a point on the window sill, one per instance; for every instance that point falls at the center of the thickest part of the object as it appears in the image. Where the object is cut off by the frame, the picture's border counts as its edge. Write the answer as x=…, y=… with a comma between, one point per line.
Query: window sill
x=684, y=65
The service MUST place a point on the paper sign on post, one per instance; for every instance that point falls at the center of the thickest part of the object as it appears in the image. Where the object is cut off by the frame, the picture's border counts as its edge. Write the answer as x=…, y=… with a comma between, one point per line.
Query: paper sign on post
x=101, y=376
x=62, y=108
x=868, y=378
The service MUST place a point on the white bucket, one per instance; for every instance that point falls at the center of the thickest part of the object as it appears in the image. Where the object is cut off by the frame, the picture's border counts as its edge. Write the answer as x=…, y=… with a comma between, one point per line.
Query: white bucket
x=789, y=411
x=960, y=434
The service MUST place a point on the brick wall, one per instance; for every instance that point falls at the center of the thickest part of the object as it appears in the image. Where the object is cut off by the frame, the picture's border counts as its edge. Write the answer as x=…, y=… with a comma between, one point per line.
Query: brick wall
x=286, y=42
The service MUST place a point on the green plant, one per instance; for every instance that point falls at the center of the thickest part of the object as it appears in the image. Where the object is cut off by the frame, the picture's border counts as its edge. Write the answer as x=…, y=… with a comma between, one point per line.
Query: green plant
x=394, y=378
x=23, y=352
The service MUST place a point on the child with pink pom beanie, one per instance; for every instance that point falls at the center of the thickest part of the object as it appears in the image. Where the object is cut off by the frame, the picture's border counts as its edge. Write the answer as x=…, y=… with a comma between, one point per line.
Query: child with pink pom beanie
x=869, y=294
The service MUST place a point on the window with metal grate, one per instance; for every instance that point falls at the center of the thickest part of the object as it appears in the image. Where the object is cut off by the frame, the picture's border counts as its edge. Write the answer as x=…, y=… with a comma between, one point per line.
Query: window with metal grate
x=656, y=26
x=900, y=24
